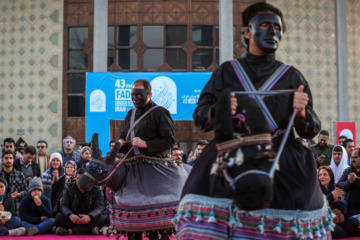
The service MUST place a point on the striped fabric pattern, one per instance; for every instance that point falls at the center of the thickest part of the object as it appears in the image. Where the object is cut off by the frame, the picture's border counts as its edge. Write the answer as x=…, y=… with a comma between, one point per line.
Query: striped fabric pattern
x=146, y=219
x=313, y=224
x=249, y=229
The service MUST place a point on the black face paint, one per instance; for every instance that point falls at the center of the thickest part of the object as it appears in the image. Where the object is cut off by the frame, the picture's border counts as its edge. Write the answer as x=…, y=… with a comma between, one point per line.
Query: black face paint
x=139, y=96
x=267, y=39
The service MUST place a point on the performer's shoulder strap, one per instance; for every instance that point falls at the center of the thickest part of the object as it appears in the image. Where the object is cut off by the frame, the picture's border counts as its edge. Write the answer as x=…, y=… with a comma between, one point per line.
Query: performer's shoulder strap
x=134, y=123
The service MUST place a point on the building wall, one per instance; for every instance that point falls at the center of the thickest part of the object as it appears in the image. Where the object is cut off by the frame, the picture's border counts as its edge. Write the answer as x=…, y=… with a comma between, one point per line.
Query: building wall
x=31, y=56
x=309, y=45
x=353, y=34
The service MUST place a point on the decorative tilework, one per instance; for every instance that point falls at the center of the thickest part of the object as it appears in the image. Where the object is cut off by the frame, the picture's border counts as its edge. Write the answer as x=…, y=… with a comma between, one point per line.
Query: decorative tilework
x=31, y=49
x=353, y=21
x=309, y=45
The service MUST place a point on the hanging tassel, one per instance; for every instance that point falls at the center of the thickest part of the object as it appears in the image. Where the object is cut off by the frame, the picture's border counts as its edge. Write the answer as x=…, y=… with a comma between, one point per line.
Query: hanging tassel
x=332, y=215
x=322, y=230
x=277, y=228
x=175, y=220
x=238, y=223
x=260, y=227
x=294, y=227
x=199, y=217
x=212, y=218
x=188, y=214
x=332, y=224
x=309, y=233
x=317, y=233
x=231, y=222
x=300, y=233
x=181, y=215
x=329, y=227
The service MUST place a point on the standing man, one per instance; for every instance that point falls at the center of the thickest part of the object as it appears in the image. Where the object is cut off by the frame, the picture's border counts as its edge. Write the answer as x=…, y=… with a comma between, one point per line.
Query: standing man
x=42, y=158
x=9, y=144
x=200, y=145
x=68, y=153
x=349, y=147
x=16, y=180
x=341, y=139
x=156, y=183
x=263, y=26
x=27, y=165
x=322, y=150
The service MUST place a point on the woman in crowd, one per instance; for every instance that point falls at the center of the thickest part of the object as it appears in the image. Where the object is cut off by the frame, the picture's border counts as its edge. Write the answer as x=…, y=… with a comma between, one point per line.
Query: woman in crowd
x=53, y=174
x=338, y=162
x=35, y=210
x=60, y=185
x=85, y=157
x=11, y=227
x=327, y=184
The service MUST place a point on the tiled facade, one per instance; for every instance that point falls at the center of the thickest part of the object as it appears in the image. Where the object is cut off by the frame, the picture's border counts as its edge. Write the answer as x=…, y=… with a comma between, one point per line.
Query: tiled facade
x=31, y=49
x=309, y=45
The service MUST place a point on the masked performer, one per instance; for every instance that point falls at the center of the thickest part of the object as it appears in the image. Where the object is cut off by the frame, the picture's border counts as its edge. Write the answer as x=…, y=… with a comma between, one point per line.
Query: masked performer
x=151, y=191
x=298, y=208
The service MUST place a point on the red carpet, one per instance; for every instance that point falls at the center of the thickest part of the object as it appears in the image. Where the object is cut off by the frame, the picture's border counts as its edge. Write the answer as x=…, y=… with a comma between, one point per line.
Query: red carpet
x=72, y=237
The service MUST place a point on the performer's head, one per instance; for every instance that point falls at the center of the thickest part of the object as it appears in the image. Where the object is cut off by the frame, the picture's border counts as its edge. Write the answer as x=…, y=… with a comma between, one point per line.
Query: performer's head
x=264, y=25
x=141, y=93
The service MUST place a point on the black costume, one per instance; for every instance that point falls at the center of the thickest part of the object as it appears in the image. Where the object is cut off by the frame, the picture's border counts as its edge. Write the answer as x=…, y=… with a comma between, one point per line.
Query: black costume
x=149, y=196
x=295, y=186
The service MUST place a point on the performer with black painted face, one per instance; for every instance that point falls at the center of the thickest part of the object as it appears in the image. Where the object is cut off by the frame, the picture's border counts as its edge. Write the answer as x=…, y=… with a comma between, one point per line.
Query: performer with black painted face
x=298, y=208
x=149, y=197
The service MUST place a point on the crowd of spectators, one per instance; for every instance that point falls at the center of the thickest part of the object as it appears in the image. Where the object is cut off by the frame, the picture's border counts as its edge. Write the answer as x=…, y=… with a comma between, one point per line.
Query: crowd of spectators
x=339, y=177
x=39, y=193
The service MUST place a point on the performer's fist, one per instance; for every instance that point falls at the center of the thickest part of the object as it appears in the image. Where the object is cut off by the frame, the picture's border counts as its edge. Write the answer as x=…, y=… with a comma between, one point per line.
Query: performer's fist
x=233, y=103
x=139, y=143
x=300, y=102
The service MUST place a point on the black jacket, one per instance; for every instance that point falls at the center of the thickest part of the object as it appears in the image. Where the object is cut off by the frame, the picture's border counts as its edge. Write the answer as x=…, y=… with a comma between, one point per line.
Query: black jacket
x=34, y=166
x=93, y=200
x=352, y=191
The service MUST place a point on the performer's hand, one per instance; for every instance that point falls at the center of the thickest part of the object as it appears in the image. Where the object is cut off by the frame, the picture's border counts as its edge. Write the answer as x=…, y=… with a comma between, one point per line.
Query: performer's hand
x=139, y=143
x=352, y=177
x=300, y=102
x=233, y=104
x=122, y=142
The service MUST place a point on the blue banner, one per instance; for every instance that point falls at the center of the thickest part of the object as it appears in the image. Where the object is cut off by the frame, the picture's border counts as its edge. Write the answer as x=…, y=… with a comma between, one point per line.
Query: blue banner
x=108, y=97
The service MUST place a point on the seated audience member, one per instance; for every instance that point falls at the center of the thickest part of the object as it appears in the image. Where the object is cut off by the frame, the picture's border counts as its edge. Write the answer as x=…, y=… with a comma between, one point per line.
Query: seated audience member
x=200, y=145
x=53, y=174
x=333, y=195
x=42, y=158
x=27, y=164
x=176, y=154
x=111, y=145
x=16, y=179
x=11, y=227
x=85, y=157
x=338, y=162
x=341, y=139
x=35, y=210
x=350, y=183
x=59, y=186
x=81, y=212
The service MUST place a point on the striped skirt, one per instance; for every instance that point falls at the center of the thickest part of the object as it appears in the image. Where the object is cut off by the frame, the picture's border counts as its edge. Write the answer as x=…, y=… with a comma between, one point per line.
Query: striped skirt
x=201, y=217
